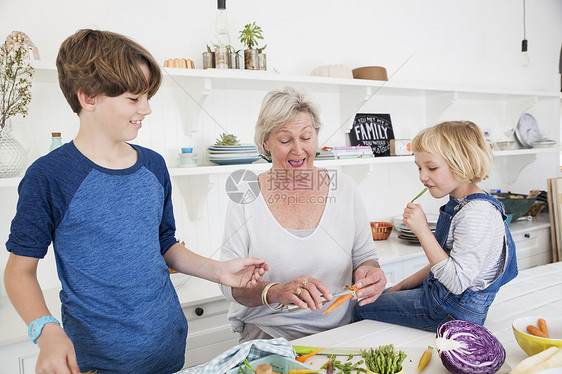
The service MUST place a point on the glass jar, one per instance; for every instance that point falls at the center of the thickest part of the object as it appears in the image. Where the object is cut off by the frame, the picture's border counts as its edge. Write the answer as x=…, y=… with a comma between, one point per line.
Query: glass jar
x=56, y=140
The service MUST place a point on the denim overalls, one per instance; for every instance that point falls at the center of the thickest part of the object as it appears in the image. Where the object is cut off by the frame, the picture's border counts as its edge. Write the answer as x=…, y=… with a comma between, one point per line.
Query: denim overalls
x=428, y=306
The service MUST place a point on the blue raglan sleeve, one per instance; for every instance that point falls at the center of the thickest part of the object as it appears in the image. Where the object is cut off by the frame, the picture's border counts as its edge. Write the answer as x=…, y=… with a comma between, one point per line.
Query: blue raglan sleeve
x=156, y=164
x=168, y=224
x=31, y=231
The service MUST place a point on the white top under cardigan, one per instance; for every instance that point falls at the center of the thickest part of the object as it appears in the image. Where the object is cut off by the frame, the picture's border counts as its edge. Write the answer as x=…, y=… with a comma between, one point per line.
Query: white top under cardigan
x=340, y=243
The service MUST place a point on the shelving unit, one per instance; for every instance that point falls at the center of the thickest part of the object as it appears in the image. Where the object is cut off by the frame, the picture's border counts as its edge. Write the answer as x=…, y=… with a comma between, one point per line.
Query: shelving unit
x=189, y=90
x=200, y=202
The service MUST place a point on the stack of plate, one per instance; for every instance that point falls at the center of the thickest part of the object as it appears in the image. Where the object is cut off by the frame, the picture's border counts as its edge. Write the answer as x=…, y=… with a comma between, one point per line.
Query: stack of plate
x=405, y=233
x=233, y=154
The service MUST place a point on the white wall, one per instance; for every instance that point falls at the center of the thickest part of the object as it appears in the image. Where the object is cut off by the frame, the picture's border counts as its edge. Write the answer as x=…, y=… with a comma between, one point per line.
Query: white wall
x=473, y=43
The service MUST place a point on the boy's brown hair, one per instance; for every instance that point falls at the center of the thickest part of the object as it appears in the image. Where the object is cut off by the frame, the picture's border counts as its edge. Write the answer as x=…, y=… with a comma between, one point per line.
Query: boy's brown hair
x=462, y=145
x=102, y=62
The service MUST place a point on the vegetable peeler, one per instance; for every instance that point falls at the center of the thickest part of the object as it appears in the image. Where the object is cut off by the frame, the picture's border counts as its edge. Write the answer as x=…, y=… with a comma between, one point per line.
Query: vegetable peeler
x=342, y=291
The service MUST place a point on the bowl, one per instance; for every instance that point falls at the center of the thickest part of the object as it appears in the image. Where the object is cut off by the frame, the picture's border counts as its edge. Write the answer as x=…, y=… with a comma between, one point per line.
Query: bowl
x=377, y=73
x=381, y=230
x=515, y=204
x=532, y=344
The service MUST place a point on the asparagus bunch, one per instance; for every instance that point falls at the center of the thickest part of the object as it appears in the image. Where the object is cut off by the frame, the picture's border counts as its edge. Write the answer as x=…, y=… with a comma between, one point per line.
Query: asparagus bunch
x=384, y=359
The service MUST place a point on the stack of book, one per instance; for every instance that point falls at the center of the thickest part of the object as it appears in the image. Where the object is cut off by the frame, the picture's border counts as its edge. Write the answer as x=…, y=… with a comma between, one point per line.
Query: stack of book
x=335, y=153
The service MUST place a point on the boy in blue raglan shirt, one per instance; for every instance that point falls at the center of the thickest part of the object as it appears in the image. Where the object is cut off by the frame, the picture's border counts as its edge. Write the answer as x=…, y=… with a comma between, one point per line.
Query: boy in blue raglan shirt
x=106, y=206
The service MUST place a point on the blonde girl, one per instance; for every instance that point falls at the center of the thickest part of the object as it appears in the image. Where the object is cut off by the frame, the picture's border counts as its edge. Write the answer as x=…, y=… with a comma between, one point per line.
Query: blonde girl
x=471, y=255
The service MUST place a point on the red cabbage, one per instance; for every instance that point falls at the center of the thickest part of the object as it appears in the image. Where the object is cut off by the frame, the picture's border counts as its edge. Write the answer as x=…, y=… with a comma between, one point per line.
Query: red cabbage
x=468, y=348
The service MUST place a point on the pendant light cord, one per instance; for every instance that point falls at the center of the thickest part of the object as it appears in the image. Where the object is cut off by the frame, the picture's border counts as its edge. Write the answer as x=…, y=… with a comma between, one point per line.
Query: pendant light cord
x=524, y=23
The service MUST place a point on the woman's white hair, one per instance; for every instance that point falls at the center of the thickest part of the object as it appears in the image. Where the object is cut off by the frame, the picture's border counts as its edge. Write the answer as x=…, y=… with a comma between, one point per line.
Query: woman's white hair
x=279, y=107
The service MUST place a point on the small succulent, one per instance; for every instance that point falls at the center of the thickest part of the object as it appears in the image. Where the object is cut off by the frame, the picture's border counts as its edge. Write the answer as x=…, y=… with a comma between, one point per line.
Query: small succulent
x=227, y=139
x=250, y=34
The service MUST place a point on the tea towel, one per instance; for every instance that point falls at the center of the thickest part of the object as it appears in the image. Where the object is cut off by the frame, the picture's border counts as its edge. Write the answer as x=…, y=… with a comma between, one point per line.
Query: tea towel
x=251, y=350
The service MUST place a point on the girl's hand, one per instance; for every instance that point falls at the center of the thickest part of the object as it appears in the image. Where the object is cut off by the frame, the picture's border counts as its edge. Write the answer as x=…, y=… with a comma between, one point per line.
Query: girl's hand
x=415, y=219
x=370, y=281
x=242, y=272
x=56, y=353
x=309, y=292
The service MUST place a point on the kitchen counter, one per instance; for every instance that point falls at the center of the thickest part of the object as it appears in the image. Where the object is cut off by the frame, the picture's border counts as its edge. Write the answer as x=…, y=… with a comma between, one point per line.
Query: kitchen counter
x=192, y=290
x=535, y=291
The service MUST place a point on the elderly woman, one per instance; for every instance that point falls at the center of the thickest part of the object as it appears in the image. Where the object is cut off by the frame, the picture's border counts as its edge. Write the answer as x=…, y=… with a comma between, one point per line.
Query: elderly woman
x=309, y=225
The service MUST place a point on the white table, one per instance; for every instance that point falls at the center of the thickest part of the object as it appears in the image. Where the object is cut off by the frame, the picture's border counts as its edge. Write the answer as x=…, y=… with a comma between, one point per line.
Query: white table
x=535, y=291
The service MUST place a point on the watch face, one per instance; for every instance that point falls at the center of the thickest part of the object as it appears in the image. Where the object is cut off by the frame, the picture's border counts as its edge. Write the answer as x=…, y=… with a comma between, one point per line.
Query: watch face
x=33, y=329
x=527, y=131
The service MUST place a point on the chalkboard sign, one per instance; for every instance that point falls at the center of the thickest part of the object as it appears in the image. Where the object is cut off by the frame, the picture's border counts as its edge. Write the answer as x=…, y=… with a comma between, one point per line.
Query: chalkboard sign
x=374, y=130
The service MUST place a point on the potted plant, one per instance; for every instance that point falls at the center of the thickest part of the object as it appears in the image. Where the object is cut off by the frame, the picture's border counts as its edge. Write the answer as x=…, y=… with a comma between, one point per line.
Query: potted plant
x=15, y=96
x=233, y=58
x=262, y=61
x=221, y=56
x=249, y=37
x=208, y=58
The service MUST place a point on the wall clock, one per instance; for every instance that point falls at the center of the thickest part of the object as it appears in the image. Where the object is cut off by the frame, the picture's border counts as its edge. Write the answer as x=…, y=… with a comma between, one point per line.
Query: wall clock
x=527, y=131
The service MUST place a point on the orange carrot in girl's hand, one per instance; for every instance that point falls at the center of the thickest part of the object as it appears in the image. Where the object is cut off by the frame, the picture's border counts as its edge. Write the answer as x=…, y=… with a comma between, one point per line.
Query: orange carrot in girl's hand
x=534, y=331
x=542, y=326
x=303, y=358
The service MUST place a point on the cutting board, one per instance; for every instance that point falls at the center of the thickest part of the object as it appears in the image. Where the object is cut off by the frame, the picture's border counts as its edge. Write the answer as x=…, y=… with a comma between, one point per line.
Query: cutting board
x=410, y=364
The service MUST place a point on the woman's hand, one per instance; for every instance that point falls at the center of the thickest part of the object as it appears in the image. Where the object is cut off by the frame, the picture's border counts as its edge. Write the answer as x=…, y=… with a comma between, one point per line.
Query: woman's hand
x=415, y=219
x=242, y=272
x=57, y=352
x=303, y=291
x=370, y=281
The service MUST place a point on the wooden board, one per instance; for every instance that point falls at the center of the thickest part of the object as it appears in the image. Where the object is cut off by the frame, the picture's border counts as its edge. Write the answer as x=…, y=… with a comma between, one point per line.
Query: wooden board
x=555, y=211
x=410, y=364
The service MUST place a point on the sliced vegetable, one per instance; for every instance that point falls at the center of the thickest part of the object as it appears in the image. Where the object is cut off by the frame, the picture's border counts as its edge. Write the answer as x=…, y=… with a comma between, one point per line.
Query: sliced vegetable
x=303, y=358
x=534, y=331
x=468, y=348
x=425, y=357
x=542, y=326
x=340, y=300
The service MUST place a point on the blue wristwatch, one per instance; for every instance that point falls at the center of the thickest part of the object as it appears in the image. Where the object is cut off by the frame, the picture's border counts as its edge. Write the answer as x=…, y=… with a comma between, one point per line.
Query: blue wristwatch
x=36, y=326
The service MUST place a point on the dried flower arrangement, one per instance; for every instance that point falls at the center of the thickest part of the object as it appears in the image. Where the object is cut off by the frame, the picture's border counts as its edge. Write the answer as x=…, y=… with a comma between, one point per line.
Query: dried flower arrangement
x=15, y=83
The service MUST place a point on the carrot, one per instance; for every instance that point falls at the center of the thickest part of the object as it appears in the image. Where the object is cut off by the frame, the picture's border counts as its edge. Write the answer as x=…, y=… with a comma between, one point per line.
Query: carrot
x=542, y=326
x=424, y=359
x=339, y=301
x=534, y=331
x=303, y=358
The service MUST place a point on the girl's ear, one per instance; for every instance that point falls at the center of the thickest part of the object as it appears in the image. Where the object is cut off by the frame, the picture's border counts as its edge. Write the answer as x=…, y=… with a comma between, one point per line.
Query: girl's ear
x=88, y=103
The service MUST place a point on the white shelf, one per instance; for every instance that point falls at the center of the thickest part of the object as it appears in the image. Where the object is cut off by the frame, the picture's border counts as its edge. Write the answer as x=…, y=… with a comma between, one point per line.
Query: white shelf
x=248, y=79
x=260, y=167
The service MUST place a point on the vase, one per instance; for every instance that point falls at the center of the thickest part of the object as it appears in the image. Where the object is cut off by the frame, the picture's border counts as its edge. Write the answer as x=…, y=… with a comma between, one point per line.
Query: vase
x=12, y=154
x=251, y=59
x=208, y=60
x=262, y=61
x=221, y=58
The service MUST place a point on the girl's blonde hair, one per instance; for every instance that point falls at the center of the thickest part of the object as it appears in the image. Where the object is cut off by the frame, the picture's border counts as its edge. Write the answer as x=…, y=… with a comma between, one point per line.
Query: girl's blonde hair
x=278, y=108
x=462, y=145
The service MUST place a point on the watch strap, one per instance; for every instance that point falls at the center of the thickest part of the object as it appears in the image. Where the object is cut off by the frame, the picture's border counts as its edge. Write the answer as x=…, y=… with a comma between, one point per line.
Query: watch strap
x=35, y=327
